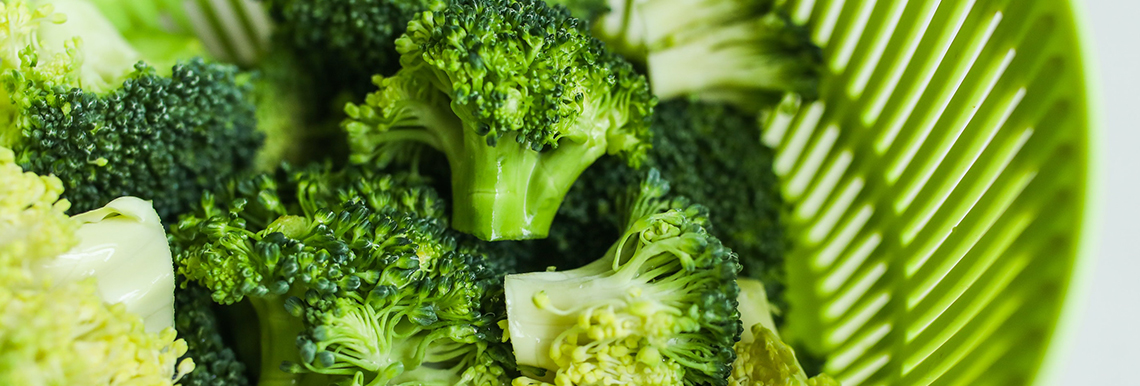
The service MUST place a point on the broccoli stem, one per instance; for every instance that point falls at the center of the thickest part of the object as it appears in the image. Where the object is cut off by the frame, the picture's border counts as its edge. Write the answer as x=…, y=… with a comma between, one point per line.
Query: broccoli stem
x=511, y=192
x=278, y=332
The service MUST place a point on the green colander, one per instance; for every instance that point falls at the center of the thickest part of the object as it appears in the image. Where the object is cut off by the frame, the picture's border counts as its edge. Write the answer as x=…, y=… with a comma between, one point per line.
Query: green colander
x=937, y=187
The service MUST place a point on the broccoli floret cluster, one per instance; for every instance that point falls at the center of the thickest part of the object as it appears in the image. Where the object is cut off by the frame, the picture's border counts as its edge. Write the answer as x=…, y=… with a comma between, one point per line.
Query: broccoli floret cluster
x=659, y=308
x=353, y=275
x=518, y=97
x=711, y=154
x=109, y=130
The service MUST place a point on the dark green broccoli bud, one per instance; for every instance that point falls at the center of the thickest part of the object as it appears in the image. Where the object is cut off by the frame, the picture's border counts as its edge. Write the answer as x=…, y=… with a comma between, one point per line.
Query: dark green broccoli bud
x=659, y=308
x=345, y=42
x=587, y=10
x=214, y=363
x=747, y=52
x=164, y=138
x=354, y=277
x=518, y=119
x=113, y=125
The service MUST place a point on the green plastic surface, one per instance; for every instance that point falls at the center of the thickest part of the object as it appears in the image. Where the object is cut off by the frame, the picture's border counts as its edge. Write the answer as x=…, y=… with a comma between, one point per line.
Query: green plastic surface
x=937, y=188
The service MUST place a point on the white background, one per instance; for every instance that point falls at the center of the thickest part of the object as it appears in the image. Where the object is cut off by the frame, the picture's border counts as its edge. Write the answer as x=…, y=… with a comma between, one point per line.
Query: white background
x=1101, y=344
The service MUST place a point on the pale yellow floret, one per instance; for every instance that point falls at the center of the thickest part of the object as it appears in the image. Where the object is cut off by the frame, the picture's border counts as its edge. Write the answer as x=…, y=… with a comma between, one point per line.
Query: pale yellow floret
x=33, y=225
x=767, y=361
x=65, y=335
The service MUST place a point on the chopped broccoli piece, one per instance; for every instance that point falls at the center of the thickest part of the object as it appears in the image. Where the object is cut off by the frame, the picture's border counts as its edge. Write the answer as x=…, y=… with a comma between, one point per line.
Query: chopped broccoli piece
x=82, y=105
x=518, y=119
x=345, y=42
x=33, y=225
x=660, y=308
x=197, y=323
x=767, y=361
x=353, y=275
x=710, y=153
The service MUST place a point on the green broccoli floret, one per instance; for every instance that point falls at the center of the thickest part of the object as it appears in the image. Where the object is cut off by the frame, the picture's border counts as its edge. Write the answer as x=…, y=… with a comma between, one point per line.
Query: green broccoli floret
x=747, y=52
x=660, y=308
x=198, y=325
x=711, y=153
x=80, y=102
x=354, y=277
x=345, y=42
x=518, y=97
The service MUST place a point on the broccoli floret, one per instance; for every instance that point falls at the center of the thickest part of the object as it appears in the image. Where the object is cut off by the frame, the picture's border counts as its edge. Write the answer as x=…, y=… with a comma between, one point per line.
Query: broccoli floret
x=353, y=275
x=81, y=104
x=660, y=308
x=767, y=361
x=747, y=52
x=345, y=42
x=711, y=153
x=518, y=97
x=197, y=323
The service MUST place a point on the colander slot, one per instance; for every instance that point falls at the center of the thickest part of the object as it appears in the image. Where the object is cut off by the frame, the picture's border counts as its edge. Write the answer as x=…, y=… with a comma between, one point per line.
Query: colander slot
x=854, y=290
x=802, y=130
x=852, y=349
x=857, y=319
x=837, y=275
x=809, y=167
x=776, y=123
x=801, y=10
x=872, y=45
x=935, y=43
x=818, y=194
x=837, y=245
x=860, y=371
x=974, y=365
x=834, y=213
x=944, y=87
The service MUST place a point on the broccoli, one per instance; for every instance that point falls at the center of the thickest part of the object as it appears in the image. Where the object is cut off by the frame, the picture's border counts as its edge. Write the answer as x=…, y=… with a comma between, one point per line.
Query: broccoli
x=354, y=277
x=58, y=329
x=747, y=52
x=520, y=100
x=710, y=153
x=762, y=359
x=345, y=42
x=215, y=364
x=660, y=308
x=82, y=103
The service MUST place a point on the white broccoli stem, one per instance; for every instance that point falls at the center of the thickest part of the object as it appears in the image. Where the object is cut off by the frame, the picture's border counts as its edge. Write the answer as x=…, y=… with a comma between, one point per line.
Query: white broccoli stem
x=754, y=307
x=123, y=246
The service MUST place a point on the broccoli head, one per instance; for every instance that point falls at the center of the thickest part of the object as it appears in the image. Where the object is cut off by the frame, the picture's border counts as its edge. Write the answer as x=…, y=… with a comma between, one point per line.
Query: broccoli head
x=354, y=277
x=767, y=361
x=81, y=103
x=660, y=308
x=518, y=97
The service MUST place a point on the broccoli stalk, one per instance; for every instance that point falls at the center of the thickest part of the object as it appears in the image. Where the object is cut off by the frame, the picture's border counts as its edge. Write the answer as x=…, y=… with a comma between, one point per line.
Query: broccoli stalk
x=518, y=120
x=660, y=308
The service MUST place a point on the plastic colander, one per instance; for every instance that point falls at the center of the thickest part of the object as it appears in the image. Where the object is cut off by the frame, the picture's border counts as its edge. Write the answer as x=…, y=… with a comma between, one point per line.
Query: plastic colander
x=937, y=188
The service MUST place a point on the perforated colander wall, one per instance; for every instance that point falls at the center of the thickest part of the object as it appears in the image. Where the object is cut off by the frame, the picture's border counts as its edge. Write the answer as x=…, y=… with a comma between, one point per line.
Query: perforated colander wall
x=937, y=188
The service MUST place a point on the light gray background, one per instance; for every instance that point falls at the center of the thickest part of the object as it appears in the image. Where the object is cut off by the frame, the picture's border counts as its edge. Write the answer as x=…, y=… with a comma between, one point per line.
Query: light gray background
x=1100, y=344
